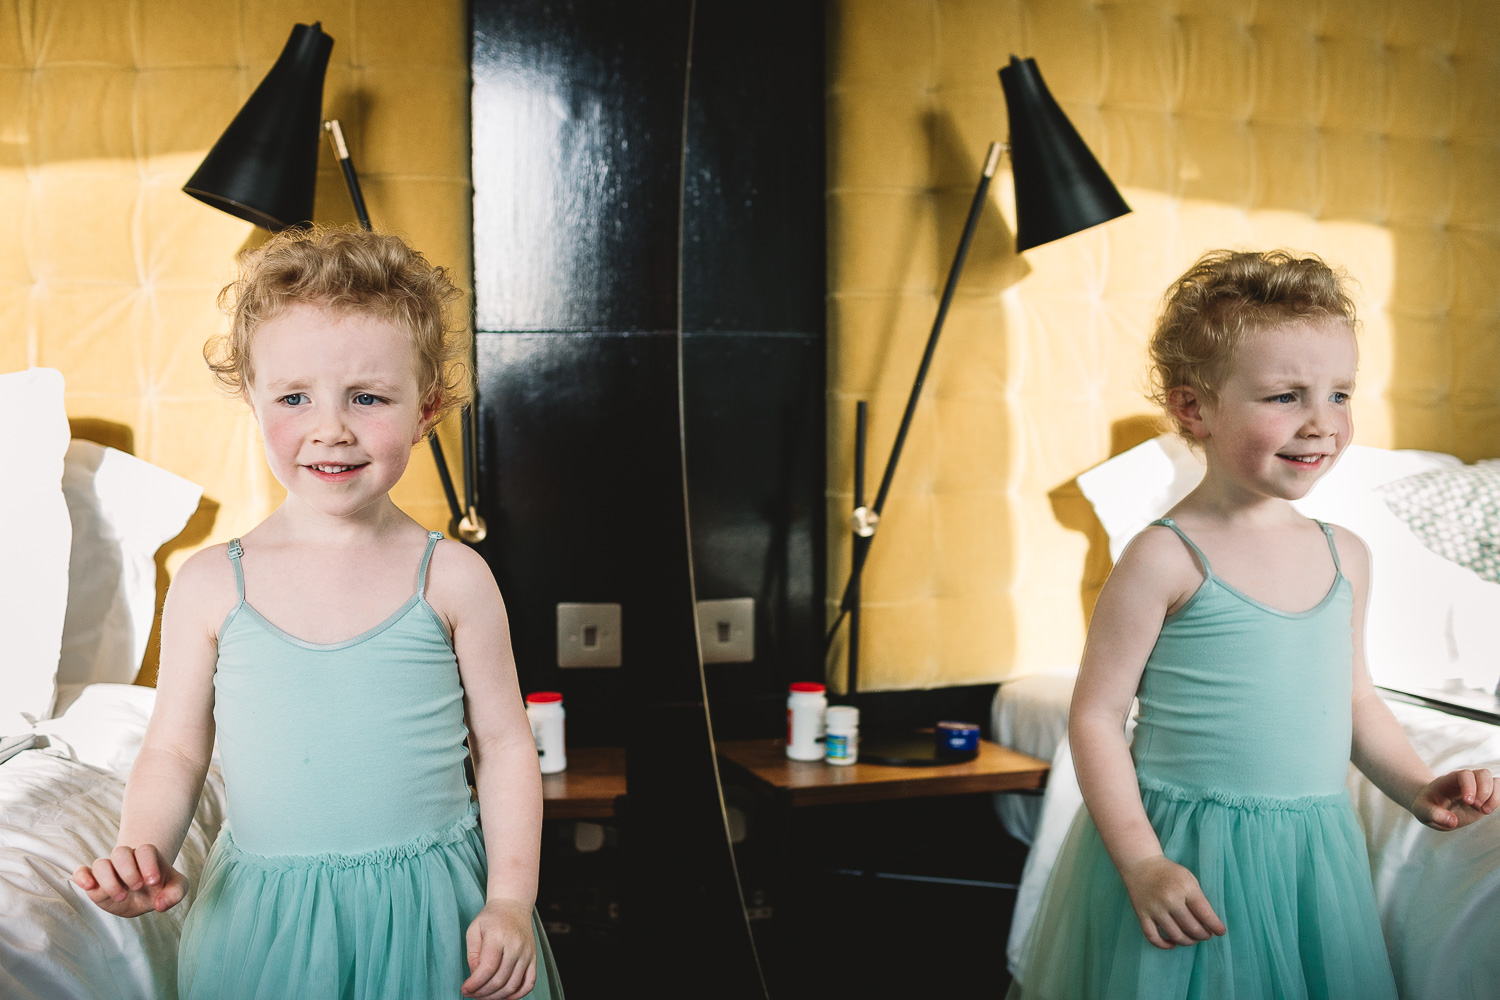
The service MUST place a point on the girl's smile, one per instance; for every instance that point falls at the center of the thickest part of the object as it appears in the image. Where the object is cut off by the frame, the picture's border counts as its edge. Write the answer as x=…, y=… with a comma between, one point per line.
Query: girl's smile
x=1306, y=461
x=335, y=473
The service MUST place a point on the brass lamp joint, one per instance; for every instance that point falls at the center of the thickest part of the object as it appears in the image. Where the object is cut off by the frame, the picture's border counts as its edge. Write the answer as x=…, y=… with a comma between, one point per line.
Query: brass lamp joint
x=992, y=161
x=470, y=528
x=336, y=132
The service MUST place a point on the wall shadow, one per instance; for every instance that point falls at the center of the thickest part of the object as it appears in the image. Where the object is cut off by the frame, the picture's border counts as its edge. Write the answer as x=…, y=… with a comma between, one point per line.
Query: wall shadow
x=1074, y=512
x=197, y=531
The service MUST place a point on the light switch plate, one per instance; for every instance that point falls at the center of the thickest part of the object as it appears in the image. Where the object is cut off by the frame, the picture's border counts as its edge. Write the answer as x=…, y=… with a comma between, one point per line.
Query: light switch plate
x=588, y=635
x=726, y=630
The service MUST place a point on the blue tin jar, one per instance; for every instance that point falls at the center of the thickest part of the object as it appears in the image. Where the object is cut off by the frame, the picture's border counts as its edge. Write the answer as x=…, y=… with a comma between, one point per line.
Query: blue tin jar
x=954, y=738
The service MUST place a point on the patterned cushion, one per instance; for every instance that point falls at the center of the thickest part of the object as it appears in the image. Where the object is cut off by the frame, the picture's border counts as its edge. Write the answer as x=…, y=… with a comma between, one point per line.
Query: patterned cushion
x=1455, y=512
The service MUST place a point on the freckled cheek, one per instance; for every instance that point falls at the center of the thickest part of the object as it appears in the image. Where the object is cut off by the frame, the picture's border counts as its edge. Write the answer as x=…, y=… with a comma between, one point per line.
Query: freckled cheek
x=393, y=435
x=282, y=440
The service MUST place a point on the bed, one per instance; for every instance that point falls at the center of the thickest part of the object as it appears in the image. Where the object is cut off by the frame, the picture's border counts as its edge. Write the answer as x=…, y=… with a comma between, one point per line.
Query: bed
x=82, y=523
x=1434, y=633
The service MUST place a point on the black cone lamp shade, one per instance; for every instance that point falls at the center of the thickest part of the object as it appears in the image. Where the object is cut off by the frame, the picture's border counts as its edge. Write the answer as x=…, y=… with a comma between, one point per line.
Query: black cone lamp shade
x=1060, y=187
x=264, y=167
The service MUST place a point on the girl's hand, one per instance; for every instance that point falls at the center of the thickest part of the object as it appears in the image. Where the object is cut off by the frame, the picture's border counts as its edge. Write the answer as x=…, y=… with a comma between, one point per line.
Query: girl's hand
x=1457, y=799
x=1169, y=903
x=502, y=952
x=132, y=881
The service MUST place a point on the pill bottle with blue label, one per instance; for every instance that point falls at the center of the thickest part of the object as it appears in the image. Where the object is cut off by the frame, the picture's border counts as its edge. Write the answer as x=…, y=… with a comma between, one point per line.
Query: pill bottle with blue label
x=841, y=734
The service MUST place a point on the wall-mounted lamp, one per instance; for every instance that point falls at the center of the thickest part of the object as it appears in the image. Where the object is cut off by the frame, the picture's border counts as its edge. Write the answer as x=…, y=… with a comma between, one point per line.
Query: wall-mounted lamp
x=264, y=169
x=1060, y=189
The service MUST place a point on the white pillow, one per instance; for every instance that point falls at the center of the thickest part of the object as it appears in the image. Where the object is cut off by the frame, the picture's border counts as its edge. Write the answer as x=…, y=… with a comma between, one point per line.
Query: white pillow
x=123, y=510
x=34, y=541
x=1455, y=512
x=1421, y=605
x=103, y=727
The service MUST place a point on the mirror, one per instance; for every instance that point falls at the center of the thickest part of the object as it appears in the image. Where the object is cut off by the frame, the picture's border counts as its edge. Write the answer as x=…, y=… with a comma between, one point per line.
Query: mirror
x=577, y=160
x=753, y=344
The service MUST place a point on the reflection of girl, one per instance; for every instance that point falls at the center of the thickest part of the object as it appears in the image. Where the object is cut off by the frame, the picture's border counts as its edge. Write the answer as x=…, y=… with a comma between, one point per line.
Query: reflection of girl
x=1219, y=856
x=351, y=864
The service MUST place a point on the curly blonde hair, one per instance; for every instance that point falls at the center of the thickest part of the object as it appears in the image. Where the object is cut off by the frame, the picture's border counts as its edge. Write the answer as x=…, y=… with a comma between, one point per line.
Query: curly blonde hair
x=1226, y=295
x=347, y=269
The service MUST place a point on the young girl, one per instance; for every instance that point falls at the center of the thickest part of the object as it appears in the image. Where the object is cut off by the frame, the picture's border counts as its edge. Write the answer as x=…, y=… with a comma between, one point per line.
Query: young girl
x=1219, y=856
x=341, y=654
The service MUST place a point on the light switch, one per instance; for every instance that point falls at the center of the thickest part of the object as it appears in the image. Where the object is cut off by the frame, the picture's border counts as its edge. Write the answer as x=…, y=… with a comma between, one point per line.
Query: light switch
x=588, y=635
x=726, y=630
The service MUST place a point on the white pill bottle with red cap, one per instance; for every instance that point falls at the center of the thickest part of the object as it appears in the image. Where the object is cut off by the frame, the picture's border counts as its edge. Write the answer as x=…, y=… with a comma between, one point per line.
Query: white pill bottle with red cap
x=545, y=710
x=805, y=705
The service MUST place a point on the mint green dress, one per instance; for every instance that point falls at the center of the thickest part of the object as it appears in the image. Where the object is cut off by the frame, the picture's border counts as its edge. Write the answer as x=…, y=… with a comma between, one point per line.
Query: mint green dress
x=1241, y=749
x=351, y=862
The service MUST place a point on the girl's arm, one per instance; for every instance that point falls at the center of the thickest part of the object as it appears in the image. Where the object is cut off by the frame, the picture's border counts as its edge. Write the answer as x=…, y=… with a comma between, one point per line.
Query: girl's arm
x=1154, y=574
x=1381, y=749
x=502, y=952
x=162, y=792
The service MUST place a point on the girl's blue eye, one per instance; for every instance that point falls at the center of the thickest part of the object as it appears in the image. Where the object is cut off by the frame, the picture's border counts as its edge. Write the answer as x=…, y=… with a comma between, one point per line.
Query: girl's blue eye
x=294, y=398
x=1341, y=397
x=1284, y=397
x=365, y=399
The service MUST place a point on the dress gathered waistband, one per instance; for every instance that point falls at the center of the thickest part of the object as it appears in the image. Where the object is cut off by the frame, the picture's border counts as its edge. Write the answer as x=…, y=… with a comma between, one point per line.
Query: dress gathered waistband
x=450, y=833
x=1238, y=800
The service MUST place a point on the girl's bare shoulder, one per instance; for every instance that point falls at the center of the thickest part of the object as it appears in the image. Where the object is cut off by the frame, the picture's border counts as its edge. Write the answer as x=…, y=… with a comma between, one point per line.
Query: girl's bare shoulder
x=204, y=589
x=460, y=585
x=1354, y=554
x=1156, y=570
x=1157, y=549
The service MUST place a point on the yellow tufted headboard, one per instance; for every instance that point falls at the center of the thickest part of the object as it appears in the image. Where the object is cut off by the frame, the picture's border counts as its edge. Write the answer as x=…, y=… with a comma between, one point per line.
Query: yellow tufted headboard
x=108, y=271
x=1366, y=132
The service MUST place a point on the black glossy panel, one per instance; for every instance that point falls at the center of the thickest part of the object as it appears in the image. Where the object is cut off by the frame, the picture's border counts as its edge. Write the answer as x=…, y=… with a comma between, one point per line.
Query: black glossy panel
x=577, y=152
x=753, y=283
x=753, y=202
x=682, y=880
x=581, y=470
x=755, y=460
x=577, y=147
x=583, y=478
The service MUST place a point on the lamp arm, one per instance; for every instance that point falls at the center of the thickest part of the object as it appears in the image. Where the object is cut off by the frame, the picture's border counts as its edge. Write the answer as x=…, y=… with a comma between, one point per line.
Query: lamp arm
x=471, y=527
x=346, y=164
x=465, y=522
x=861, y=552
x=442, y=467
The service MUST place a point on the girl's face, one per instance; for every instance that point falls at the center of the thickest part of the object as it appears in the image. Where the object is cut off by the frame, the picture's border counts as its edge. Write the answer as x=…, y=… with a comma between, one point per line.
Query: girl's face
x=336, y=398
x=1283, y=415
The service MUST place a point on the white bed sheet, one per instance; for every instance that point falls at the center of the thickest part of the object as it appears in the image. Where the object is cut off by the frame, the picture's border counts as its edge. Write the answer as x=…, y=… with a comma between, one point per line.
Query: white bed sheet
x=1438, y=893
x=1030, y=714
x=59, y=808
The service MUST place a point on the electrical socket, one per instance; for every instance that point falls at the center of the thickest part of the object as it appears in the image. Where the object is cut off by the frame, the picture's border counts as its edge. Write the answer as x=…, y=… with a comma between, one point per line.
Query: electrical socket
x=726, y=630
x=588, y=635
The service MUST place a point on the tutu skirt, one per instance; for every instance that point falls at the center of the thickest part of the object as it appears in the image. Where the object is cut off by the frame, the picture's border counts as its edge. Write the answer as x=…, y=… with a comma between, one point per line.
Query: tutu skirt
x=378, y=925
x=1289, y=878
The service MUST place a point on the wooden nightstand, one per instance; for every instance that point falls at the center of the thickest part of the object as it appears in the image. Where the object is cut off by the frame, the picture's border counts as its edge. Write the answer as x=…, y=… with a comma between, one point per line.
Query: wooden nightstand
x=594, y=779
x=812, y=783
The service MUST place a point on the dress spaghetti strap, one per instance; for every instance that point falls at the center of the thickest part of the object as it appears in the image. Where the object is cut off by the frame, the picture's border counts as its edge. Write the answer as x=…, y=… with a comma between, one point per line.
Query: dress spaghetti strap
x=235, y=551
x=1332, y=548
x=433, y=537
